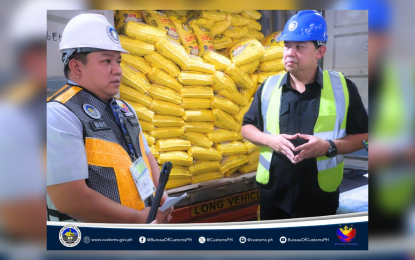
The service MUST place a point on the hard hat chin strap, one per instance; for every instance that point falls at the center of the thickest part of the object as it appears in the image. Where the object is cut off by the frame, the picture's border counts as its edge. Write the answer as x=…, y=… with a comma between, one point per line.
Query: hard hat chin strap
x=69, y=53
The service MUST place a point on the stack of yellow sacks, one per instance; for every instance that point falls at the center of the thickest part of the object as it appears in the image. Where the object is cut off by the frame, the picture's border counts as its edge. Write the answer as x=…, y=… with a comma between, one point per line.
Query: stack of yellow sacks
x=190, y=100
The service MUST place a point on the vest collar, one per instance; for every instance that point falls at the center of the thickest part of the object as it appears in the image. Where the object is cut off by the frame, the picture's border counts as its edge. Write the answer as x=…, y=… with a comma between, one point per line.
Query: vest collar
x=318, y=79
x=113, y=99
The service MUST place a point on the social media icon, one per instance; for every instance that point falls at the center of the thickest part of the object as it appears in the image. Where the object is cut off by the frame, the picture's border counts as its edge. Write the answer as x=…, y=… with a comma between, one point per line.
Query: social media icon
x=283, y=240
x=202, y=240
x=242, y=240
x=142, y=240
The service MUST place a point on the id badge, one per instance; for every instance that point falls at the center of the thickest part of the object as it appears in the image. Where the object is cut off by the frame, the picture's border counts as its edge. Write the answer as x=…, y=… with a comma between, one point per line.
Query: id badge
x=142, y=179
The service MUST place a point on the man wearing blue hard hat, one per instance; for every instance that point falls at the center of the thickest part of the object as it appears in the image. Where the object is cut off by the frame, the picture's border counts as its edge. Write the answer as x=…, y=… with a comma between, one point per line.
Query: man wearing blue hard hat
x=305, y=121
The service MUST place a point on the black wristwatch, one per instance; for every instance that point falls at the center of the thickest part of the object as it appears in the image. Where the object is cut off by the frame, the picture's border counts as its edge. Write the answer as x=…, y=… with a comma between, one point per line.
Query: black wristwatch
x=332, y=149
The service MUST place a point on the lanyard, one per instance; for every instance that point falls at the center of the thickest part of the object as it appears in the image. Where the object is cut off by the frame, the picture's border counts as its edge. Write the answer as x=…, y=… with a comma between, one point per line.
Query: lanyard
x=120, y=121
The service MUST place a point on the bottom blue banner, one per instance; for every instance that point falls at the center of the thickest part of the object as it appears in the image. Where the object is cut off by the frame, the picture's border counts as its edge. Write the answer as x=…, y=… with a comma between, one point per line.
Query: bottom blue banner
x=74, y=236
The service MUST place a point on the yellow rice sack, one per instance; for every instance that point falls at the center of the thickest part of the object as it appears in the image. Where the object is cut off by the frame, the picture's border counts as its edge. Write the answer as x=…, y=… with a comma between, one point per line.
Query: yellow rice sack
x=136, y=62
x=195, y=103
x=194, y=16
x=161, y=21
x=208, y=176
x=225, y=105
x=221, y=42
x=254, y=25
x=222, y=135
x=194, y=78
x=167, y=121
x=178, y=182
x=134, y=79
x=254, y=156
x=177, y=158
x=133, y=95
x=187, y=36
x=198, y=115
x=212, y=15
x=272, y=65
x=235, y=97
x=232, y=148
x=239, y=117
x=196, y=92
x=158, y=61
x=272, y=53
x=264, y=75
x=171, y=14
x=154, y=151
x=230, y=171
x=142, y=112
x=219, y=61
x=232, y=162
x=250, y=67
x=204, y=37
x=241, y=78
x=136, y=47
x=272, y=39
x=237, y=20
x=198, y=139
x=255, y=79
x=236, y=31
x=248, y=93
x=200, y=167
x=225, y=52
x=158, y=76
x=167, y=132
x=247, y=168
x=182, y=12
x=122, y=17
x=177, y=171
x=173, y=144
x=254, y=34
x=197, y=64
x=207, y=154
x=174, y=52
x=250, y=147
x=219, y=27
x=144, y=32
x=146, y=126
x=198, y=127
x=166, y=108
x=150, y=140
x=224, y=120
x=251, y=14
x=163, y=93
x=222, y=82
x=246, y=51
x=239, y=135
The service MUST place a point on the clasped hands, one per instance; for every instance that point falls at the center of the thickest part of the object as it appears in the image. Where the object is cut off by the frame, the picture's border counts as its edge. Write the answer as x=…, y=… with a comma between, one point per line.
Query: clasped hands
x=315, y=147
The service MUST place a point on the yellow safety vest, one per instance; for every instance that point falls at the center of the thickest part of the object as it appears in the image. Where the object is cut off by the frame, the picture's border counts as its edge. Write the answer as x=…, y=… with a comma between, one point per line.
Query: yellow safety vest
x=331, y=124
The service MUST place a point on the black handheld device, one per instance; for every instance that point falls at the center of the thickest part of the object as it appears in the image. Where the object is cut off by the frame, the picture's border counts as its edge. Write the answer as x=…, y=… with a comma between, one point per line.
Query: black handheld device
x=163, y=179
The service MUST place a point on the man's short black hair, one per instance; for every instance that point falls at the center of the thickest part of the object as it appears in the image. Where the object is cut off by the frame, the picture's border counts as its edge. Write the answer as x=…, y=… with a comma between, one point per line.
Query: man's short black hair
x=81, y=56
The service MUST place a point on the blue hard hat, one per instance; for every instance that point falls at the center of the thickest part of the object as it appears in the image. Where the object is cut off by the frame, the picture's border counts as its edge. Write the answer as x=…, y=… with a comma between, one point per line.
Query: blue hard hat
x=307, y=25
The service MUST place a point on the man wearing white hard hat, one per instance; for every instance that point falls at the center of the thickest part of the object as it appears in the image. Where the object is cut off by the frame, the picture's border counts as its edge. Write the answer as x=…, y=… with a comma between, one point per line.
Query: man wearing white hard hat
x=96, y=150
x=305, y=120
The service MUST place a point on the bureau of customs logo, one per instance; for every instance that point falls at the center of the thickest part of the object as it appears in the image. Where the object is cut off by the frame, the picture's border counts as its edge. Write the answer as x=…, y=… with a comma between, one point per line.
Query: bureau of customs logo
x=346, y=234
x=70, y=236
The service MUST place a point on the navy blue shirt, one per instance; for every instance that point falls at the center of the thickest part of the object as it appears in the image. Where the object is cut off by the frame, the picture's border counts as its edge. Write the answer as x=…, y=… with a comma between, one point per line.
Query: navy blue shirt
x=292, y=187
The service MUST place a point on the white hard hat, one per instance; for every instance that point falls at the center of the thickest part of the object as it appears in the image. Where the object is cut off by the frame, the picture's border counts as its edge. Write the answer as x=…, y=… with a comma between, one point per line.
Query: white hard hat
x=86, y=33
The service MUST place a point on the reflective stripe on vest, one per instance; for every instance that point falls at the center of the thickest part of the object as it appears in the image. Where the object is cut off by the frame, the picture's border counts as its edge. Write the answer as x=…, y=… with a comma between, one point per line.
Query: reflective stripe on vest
x=331, y=124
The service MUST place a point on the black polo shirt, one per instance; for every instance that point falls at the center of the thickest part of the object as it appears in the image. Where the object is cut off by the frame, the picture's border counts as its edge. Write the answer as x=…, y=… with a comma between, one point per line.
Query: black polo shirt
x=292, y=187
